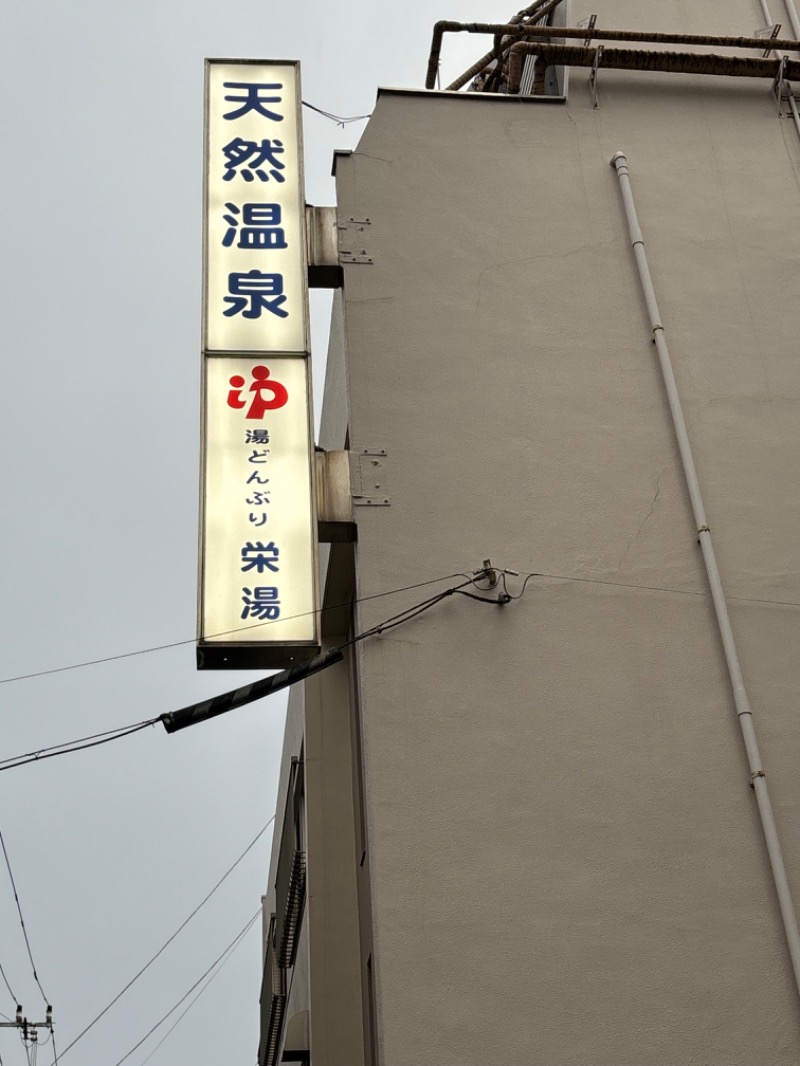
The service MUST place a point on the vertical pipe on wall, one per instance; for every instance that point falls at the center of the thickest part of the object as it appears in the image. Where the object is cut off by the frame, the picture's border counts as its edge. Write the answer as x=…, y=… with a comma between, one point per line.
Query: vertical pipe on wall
x=795, y=21
x=740, y=698
x=768, y=19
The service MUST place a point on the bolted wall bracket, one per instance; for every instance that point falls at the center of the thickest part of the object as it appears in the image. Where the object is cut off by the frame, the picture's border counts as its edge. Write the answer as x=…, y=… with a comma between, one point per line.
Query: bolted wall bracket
x=368, y=477
x=354, y=240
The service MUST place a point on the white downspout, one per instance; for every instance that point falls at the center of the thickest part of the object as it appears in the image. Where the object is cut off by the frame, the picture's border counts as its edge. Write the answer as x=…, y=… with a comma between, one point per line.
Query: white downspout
x=740, y=699
x=796, y=28
x=795, y=21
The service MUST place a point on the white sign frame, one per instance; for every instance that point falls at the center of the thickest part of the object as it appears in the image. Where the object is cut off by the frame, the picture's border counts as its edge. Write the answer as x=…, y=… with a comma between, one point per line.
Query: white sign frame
x=255, y=318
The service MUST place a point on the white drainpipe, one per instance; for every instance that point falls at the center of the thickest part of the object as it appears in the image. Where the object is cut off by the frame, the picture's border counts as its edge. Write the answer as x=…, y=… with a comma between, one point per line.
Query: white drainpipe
x=795, y=27
x=795, y=21
x=740, y=699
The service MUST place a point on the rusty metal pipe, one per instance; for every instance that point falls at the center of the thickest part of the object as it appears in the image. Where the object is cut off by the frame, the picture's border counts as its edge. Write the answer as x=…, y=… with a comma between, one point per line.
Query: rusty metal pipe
x=540, y=76
x=644, y=59
x=536, y=10
x=527, y=14
x=539, y=10
x=567, y=32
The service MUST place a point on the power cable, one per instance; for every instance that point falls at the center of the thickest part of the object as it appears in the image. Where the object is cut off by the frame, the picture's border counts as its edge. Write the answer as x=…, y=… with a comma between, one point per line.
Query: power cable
x=378, y=595
x=246, y=694
x=8, y=986
x=40, y=752
x=521, y=592
x=193, y=640
x=231, y=950
x=336, y=118
x=186, y=995
x=167, y=942
x=228, y=701
x=22, y=920
x=405, y=616
x=27, y=1049
x=260, y=689
x=72, y=746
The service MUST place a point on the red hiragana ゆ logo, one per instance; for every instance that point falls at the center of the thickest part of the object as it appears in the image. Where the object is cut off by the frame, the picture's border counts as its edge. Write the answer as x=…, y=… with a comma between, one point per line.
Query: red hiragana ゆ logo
x=267, y=394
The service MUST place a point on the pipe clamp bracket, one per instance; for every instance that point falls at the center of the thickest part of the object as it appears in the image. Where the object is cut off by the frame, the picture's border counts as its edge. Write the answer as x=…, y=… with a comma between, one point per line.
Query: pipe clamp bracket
x=754, y=775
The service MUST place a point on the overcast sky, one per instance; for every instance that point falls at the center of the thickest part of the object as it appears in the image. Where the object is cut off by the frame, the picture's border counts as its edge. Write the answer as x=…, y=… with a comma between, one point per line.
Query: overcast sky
x=101, y=187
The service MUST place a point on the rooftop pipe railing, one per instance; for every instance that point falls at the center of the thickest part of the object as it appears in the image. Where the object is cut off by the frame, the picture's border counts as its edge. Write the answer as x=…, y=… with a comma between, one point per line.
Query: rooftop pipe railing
x=644, y=59
x=538, y=10
x=762, y=68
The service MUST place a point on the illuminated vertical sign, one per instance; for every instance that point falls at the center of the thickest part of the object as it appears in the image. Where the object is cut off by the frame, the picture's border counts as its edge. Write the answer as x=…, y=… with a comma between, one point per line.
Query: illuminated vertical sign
x=258, y=549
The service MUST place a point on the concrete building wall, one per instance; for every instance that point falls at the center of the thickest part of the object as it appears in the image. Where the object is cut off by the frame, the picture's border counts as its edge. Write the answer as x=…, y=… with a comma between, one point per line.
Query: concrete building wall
x=564, y=856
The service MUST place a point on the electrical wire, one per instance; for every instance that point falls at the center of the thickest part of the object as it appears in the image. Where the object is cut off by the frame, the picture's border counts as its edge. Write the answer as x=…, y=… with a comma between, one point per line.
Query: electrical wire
x=186, y=995
x=251, y=692
x=521, y=592
x=167, y=942
x=22, y=920
x=398, y=619
x=479, y=599
x=68, y=747
x=8, y=986
x=409, y=613
x=53, y=747
x=378, y=595
x=336, y=118
x=27, y=1049
x=231, y=950
x=193, y=640
x=89, y=742
x=98, y=739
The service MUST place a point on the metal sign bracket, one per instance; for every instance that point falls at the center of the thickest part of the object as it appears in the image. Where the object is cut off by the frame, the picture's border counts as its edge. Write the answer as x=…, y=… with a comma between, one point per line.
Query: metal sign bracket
x=368, y=477
x=354, y=241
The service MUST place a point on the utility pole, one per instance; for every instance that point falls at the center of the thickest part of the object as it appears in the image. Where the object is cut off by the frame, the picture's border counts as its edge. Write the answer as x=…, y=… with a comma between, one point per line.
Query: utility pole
x=28, y=1029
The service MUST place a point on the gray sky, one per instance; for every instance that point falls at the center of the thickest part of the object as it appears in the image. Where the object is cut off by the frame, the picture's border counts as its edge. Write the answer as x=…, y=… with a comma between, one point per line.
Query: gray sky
x=101, y=186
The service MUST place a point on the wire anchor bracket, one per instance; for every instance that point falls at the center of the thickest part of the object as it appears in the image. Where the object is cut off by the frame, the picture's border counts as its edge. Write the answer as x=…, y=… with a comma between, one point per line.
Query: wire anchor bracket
x=588, y=24
x=769, y=34
x=598, y=59
x=780, y=86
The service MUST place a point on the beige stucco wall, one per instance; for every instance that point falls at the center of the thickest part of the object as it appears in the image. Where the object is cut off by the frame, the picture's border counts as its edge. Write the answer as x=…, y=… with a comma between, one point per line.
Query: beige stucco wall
x=565, y=857
x=324, y=986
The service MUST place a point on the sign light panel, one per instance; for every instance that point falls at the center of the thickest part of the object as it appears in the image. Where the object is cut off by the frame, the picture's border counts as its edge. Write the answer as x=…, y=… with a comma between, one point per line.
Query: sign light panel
x=258, y=565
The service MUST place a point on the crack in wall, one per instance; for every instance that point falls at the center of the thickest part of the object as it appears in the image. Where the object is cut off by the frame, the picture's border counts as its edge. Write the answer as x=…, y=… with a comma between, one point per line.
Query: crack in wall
x=646, y=518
